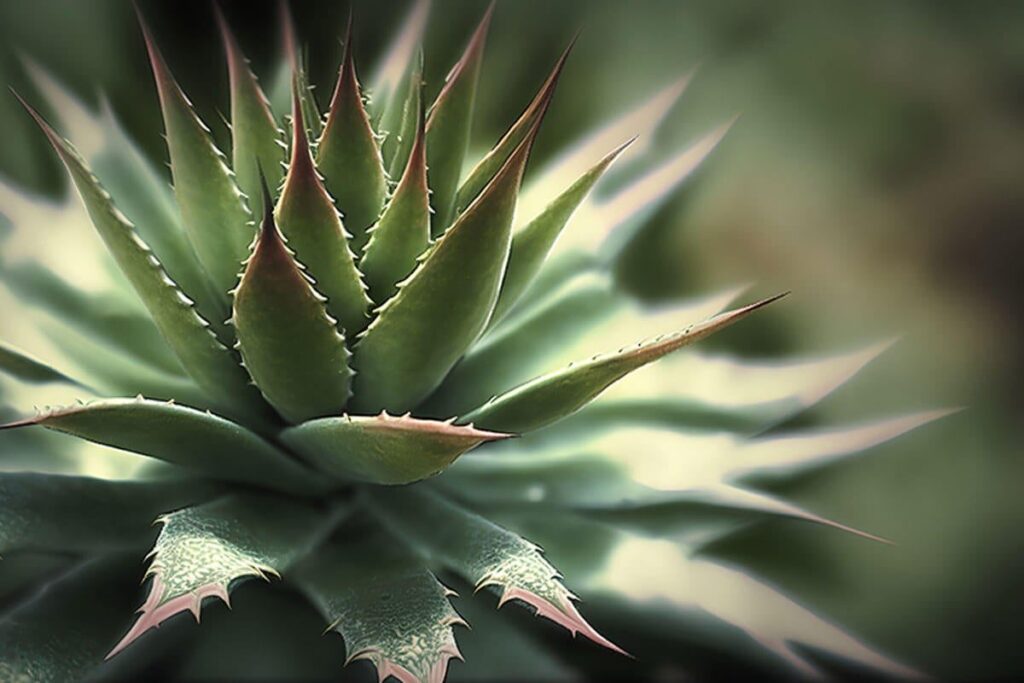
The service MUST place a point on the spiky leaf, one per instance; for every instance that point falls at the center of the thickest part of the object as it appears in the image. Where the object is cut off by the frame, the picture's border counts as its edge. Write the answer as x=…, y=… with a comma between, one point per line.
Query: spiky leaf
x=204, y=551
x=383, y=449
x=444, y=305
x=291, y=347
x=400, y=123
x=348, y=155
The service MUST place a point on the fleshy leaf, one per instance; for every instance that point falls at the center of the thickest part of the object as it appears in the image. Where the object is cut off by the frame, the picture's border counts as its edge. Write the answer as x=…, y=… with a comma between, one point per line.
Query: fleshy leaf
x=551, y=397
x=290, y=345
x=385, y=603
x=449, y=124
x=348, y=155
x=182, y=436
x=212, y=207
x=309, y=221
x=531, y=244
x=386, y=84
x=204, y=551
x=24, y=367
x=487, y=167
x=214, y=367
x=256, y=139
x=403, y=232
x=400, y=124
x=484, y=553
x=441, y=309
x=68, y=514
x=383, y=449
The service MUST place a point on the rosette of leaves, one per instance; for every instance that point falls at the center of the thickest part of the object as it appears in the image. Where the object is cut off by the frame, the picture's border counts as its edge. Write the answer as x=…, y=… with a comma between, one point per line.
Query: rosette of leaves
x=283, y=359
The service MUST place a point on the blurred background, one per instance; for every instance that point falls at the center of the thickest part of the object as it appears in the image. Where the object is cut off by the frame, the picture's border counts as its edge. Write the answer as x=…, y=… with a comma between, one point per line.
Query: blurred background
x=874, y=170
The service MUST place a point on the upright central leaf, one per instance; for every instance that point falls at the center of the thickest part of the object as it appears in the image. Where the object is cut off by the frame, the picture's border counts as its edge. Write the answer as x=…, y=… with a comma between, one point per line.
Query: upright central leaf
x=445, y=304
x=292, y=348
x=348, y=154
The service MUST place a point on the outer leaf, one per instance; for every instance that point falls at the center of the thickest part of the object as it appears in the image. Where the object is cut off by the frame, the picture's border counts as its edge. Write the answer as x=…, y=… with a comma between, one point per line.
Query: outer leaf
x=388, y=607
x=551, y=397
x=291, y=347
x=449, y=125
x=255, y=136
x=348, y=154
x=309, y=220
x=487, y=167
x=403, y=232
x=27, y=369
x=214, y=367
x=183, y=436
x=530, y=246
x=215, y=216
x=445, y=304
x=383, y=449
x=204, y=551
x=69, y=514
x=484, y=554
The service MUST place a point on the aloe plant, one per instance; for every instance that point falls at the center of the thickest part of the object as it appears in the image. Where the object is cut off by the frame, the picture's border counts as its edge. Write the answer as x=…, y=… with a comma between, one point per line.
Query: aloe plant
x=285, y=362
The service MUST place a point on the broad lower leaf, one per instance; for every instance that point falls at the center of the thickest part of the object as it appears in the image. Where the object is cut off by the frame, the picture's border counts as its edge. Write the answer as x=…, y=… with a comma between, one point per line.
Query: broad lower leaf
x=182, y=436
x=441, y=309
x=484, y=553
x=385, y=603
x=348, y=155
x=310, y=222
x=205, y=551
x=214, y=367
x=215, y=216
x=449, y=126
x=403, y=232
x=71, y=514
x=551, y=397
x=383, y=449
x=24, y=367
x=290, y=345
x=256, y=139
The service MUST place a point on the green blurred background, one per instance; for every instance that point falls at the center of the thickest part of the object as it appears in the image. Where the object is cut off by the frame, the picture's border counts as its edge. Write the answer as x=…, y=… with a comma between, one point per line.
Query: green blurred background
x=874, y=170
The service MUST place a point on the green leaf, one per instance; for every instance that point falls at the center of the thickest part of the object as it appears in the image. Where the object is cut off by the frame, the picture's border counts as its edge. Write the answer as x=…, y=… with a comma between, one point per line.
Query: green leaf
x=309, y=221
x=182, y=436
x=348, y=155
x=403, y=232
x=531, y=244
x=449, y=124
x=205, y=551
x=401, y=123
x=290, y=345
x=212, y=207
x=256, y=139
x=28, y=369
x=390, y=78
x=441, y=309
x=214, y=367
x=72, y=514
x=484, y=553
x=492, y=162
x=383, y=449
x=387, y=606
x=551, y=397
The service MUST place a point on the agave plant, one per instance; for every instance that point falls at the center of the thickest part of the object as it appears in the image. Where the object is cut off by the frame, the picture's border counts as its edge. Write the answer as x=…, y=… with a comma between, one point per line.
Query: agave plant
x=283, y=362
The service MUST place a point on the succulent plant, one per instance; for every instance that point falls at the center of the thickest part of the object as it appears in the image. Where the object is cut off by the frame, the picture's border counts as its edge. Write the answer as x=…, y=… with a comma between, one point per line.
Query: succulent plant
x=284, y=361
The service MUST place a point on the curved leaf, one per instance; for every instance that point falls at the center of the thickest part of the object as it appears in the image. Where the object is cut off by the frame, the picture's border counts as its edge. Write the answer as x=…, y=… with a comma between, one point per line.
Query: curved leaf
x=449, y=124
x=215, y=216
x=551, y=397
x=484, y=553
x=387, y=606
x=383, y=449
x=307, y=217
x=403, y=232
x=348, y=155
x=214, y=367
x=442, y=308
x=28, y=369
x=182, y=436
x=256, y=139
x=204, y=551
x=290, y=345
